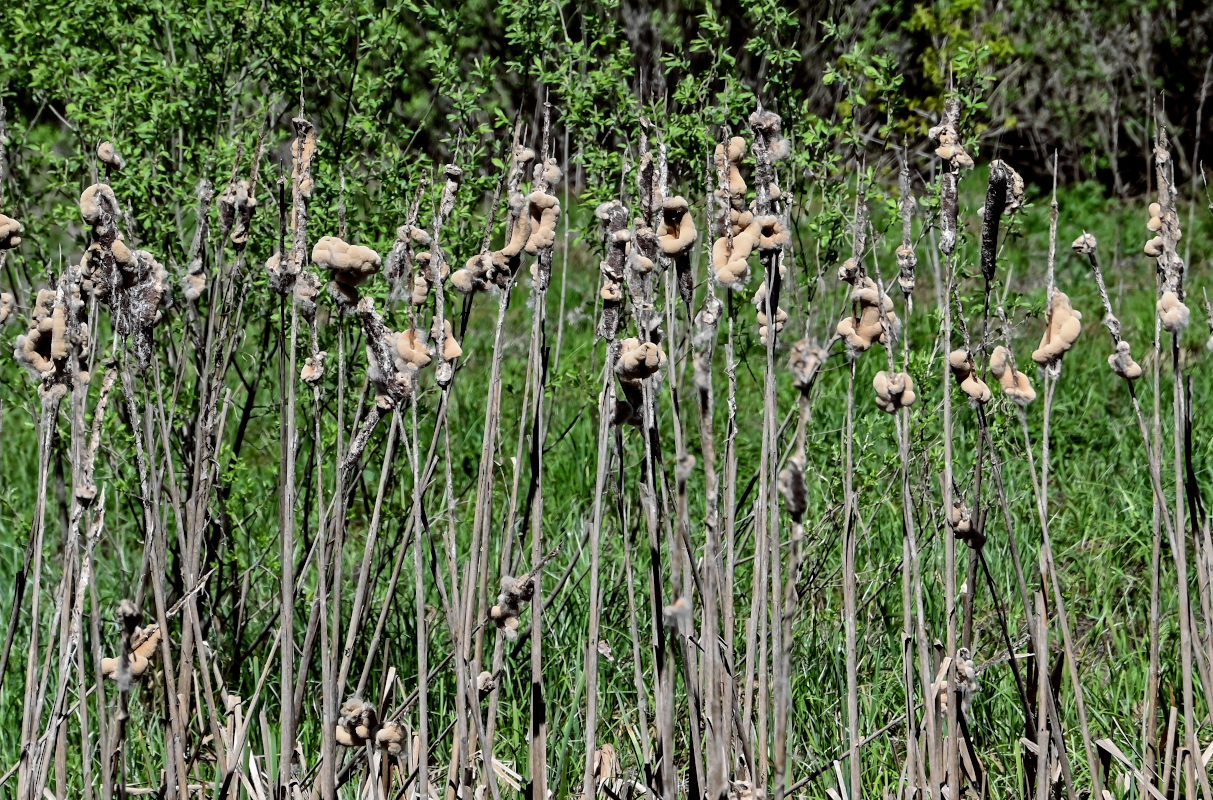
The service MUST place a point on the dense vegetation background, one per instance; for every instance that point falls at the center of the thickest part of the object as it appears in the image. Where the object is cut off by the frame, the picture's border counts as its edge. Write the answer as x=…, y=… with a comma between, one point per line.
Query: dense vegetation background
x=1071, y=96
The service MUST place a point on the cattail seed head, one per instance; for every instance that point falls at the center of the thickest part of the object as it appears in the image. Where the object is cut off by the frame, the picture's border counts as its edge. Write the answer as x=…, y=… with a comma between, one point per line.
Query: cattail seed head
x=1015, y=384
x=1061, y=332
x=961, y=364
x=109, y=156
x=10, y=230
x=1172, y=313
x=894, y=391
x=1122, y=362
x=1085, y=245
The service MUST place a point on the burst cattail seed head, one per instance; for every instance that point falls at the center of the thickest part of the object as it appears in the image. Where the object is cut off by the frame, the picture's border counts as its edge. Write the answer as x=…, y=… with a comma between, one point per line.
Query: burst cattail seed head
x=1084, y=245
x=544, y=210
x=875, y=315
x=638, y=360
x=109, y=156
x=730, y=259
x=98, y=202
x=793, y=487
x=894, y=391
x=676, y=612
x=1122, y=362
x=950, y=148
x=313, y=368
x=1172, y=313
x=391, y=737
x=772, y=235
x=961, y=364
x=10, y=230
x=1015, y=384
x=728, y=157
x=1061, y=332
x=676, y=233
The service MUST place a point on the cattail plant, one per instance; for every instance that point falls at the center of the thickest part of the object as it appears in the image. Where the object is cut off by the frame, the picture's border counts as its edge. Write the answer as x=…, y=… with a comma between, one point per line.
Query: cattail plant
x=705, y=618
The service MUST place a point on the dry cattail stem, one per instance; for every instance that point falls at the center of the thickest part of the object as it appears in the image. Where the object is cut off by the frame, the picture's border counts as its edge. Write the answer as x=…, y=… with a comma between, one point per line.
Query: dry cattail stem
x=236, y=207
x=193, y=283
x=1015, y=384
x=614, y=219
x=1121, y=361
x=961, y=363
x=731, y=252
x=707, y=323
x=1208, y=320
x=906, y=260
x=283, y=268
x=805, y=362
x=1061, y=331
